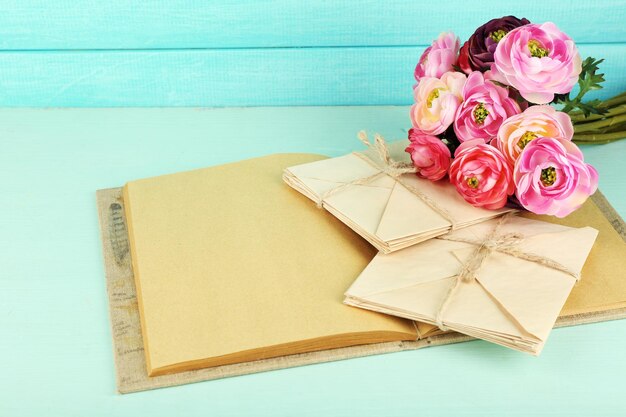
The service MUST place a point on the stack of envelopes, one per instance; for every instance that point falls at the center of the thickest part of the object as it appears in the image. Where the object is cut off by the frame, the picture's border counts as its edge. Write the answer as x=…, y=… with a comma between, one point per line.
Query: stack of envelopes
x=453, y=265
x=384, y=210
x=512, y=297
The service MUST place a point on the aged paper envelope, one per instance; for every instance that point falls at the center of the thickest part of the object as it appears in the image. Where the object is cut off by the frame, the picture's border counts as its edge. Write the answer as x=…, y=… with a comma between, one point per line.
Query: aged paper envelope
x=512, y=301
x=385, y=211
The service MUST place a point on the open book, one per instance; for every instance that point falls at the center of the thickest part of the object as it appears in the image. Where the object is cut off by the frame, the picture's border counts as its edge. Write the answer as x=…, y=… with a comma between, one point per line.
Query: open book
x=600, y=295
x=233, y=266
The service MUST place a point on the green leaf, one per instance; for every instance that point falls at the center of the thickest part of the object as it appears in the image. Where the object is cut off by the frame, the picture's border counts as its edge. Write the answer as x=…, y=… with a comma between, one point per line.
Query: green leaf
x=588, y=80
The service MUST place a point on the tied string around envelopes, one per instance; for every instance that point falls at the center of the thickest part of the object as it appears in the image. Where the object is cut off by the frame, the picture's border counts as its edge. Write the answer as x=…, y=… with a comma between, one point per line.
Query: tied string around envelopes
x=507, y=243
x=389, y=167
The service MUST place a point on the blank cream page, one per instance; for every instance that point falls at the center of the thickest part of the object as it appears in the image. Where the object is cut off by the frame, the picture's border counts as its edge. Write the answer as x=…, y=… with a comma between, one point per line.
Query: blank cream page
x=229, y=259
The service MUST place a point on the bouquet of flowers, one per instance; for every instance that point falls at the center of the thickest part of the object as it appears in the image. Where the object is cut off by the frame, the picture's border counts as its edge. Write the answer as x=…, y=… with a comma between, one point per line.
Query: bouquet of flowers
x=483, y=116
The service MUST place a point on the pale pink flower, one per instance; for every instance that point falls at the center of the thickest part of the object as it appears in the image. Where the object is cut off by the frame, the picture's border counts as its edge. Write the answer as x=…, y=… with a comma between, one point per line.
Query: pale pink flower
x=436, y=102
x=429, y=154
x=539, y=61
x=481, y=175
x=438, y=58
x=552, y=177
x=485, y=107
x=534, y=122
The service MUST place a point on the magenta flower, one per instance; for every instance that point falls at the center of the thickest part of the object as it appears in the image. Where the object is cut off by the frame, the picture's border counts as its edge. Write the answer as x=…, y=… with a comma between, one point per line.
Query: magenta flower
x=552, y=177
x=539, y=61
x=485, y=107
x=481, y=175
x=429, y=154
x=438, y=58
x=534, y=122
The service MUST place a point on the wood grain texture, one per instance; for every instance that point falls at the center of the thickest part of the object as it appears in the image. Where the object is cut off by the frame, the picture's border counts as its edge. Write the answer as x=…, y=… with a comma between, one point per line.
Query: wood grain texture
x=126, y=24
x=249, y=53
x=231, y=77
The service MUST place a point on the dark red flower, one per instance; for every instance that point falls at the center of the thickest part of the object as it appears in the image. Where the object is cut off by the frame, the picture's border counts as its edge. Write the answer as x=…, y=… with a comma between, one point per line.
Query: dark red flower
x=477, y=53
x=463, y=61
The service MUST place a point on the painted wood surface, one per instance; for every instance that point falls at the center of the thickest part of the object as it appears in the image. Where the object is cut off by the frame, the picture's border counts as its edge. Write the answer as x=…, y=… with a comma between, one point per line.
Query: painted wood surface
x=249, y=53
x=231, y=77
x=55, y=341
x=179, y=24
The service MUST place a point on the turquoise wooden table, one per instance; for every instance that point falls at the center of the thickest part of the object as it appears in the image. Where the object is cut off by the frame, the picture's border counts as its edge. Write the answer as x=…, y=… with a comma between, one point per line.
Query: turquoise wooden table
x=55, y=340
x=55, y=346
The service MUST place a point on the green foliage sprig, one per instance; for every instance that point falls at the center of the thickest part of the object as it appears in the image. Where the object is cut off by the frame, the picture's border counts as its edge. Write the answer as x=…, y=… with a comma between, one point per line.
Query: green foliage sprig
x=588, y=80
x=595, y=121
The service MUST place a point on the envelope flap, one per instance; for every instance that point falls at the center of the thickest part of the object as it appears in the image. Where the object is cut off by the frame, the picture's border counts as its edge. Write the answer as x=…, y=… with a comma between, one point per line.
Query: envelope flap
x=565, y=245
x=568, y=246
x=472, y=306
x=363, y=205
x=326, y=174
x=532, y=294
x=447, y=197
x=477, y=232
x=422, y=300
x=406, y=215
x=423, y=263
x=530, y=227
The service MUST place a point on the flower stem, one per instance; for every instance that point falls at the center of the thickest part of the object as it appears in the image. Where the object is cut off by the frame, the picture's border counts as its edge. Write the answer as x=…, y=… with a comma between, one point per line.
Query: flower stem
x=601, y=128
x=604, y=124
x=599, y=138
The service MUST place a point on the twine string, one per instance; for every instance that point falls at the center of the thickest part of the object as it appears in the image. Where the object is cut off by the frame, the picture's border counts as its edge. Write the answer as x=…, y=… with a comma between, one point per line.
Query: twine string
x=390, y=167
x=508, y=244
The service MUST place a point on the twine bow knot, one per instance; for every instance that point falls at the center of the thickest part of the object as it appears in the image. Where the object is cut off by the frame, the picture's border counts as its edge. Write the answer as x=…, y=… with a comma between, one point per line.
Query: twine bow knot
x=390, y=167
x=507, y=243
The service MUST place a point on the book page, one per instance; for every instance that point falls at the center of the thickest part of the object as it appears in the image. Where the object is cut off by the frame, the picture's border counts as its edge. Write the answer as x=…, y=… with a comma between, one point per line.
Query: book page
x=229, y=259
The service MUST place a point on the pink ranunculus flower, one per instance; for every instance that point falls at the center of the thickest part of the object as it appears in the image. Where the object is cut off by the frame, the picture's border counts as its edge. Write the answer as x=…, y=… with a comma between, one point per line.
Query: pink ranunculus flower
x=539, y=61
x=436, y=102
x=485, y=107
x=429, y=154
x=534, y=122
x=438, y=58
x=481, y=175
x=552, y=177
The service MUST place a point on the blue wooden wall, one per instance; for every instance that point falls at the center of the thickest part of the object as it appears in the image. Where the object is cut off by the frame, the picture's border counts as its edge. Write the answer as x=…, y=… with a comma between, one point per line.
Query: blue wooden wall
x=251, y=53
